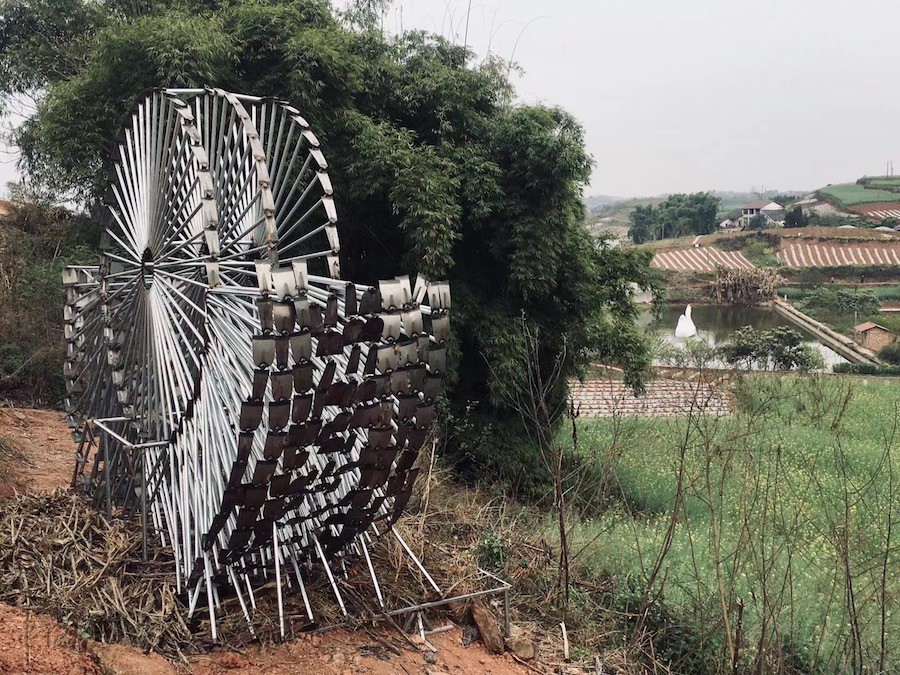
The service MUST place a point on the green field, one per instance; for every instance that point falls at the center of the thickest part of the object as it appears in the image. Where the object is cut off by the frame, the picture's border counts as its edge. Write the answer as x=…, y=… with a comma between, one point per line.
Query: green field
x=885, y=293
x=891, y=183
x=785, y=508
x=850, y=194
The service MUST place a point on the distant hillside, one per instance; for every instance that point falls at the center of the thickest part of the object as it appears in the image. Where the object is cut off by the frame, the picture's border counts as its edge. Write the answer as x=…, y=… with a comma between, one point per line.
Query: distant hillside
x=614, y=217
x=611, y=214
x=595, y=201
x=851, y=194
x=606, y=205
x=732, y=197
x=874, y=197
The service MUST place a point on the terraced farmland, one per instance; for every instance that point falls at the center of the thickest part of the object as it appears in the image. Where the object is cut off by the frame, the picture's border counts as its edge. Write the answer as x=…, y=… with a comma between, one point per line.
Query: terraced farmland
x=703, y=259
x=828, y=254
x=604, y=398
x=881, y=214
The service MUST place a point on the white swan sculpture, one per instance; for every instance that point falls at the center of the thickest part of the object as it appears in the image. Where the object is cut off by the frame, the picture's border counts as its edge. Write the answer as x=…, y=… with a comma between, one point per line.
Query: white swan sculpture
x=685, y=327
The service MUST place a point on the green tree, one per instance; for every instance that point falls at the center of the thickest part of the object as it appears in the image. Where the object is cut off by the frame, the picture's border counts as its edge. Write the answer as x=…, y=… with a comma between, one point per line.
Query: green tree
x=785, y=200
x=795, y=218
x=779, y=348
x=891, y=353
x=682, y=215
x=434, y=169
x=758, y=222
x=643, y=224
x=831, y=298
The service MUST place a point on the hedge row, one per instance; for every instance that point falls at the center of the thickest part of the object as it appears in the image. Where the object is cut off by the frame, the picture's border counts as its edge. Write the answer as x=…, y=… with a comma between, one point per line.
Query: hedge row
x=866, y=369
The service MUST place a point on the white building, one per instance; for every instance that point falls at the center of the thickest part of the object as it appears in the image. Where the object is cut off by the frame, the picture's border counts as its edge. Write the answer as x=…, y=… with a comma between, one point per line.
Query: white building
x=772, y=210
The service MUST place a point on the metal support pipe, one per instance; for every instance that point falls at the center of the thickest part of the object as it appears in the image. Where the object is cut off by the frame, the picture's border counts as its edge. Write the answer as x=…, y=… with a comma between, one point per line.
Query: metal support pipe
x=124, y=441
x=507, y=628
x=425, y=605
x=417, y=561
x=375, y=583
x=337, y=593
x=144, y=507
x=107, y=480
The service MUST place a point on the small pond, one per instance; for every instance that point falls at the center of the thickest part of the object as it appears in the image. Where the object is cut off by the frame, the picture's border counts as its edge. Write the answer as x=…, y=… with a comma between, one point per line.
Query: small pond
x=715, y=324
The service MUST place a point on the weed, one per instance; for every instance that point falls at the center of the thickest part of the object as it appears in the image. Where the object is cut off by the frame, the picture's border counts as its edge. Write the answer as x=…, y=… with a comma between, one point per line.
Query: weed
x=772, y=529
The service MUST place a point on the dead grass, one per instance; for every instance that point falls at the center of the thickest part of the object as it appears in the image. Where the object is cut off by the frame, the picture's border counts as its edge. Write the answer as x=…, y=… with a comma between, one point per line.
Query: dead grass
x=59, y=556
x=11, y=455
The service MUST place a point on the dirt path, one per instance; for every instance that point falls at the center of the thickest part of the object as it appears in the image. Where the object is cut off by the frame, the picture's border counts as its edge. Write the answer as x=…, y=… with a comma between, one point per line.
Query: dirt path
x=32, y=644
x=35, y=644
x=342, y=653
x=43, y=437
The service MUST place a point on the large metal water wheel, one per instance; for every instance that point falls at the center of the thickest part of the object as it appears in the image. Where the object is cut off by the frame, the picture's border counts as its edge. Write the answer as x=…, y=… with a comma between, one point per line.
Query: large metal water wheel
x=261, y=414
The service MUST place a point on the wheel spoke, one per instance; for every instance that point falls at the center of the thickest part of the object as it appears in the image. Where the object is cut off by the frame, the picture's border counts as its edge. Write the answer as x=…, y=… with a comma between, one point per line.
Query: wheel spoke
x=278, y=409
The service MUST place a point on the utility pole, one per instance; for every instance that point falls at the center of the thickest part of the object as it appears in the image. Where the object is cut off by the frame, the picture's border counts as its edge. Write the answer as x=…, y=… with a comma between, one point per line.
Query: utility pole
x=466, y=36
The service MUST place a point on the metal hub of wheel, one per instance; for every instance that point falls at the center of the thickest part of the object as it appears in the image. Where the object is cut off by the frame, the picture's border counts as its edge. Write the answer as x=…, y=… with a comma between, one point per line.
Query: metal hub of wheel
x=263, y=415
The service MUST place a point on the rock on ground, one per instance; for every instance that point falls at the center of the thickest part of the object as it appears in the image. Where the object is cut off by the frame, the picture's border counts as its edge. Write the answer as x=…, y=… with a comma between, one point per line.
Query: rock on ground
x=488, y=626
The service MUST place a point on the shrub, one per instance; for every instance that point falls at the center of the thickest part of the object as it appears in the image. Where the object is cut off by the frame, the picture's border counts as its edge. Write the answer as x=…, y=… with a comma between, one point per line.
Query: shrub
x=796, y=218
x=818, y=275
x=759, y=222
x=35, y=244
x=891, y=353
x=838, y=300
x=866, y=369
x=779, y=348
x=758, y=251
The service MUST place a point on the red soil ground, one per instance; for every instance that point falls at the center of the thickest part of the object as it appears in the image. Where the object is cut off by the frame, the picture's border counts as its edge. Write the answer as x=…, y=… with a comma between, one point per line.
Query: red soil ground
x=834, y=233
x=32, y=644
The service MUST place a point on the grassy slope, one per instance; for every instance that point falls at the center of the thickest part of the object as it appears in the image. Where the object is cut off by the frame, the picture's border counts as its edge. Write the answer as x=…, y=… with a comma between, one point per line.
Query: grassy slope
x=849, y=194
x=780, y=482
x=617, y=214
x=886, y=293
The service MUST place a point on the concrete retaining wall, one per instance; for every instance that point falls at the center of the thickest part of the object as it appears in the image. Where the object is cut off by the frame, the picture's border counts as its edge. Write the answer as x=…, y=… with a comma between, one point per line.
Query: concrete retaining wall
x=839, y=343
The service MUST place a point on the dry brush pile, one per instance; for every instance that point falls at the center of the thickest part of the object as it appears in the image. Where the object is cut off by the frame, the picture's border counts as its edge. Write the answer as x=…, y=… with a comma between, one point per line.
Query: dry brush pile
x=61, y=557
x=744, y=287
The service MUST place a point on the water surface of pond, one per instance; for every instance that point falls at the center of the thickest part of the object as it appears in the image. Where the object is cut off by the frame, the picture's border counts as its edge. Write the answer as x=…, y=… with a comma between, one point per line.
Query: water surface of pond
x=715, y=324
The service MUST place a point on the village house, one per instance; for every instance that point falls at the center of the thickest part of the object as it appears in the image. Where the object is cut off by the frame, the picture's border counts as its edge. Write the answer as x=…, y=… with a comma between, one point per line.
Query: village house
x=873, y=336
x=772, y=210
x=731, y=221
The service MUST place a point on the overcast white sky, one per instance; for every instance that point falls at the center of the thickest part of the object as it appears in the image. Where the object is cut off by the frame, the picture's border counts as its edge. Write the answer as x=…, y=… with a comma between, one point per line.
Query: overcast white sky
x=697, y=94
x=685, y=95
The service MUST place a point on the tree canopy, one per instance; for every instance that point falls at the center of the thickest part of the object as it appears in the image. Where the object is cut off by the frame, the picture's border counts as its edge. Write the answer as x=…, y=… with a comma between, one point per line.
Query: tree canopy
x=643, y=224
x=759, y=222
x=435, y=169
x=780, y=348
x=678, y=216
x=796, y=218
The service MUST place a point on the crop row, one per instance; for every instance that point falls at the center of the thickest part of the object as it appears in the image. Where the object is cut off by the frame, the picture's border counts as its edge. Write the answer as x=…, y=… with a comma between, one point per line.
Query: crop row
x=604, y=398
x=881, y=215
x=836, y=255
x=704, y=259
